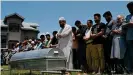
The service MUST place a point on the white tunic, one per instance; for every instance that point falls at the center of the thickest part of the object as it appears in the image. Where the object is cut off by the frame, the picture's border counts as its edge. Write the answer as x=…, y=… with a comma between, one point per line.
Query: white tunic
x=88, y=33
x=65, y=43
x=118, y=45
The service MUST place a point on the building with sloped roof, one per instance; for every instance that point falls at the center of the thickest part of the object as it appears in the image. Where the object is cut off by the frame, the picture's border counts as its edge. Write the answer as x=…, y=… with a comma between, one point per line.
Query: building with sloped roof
x=14, y=29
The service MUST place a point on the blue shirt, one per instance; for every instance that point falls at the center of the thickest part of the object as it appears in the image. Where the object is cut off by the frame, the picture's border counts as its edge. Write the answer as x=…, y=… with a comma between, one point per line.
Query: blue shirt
x=39, y=46
x=129, y=35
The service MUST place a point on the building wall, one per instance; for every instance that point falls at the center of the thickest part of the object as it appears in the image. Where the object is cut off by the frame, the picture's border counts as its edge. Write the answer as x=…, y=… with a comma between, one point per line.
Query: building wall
x=13, y=20
x=13, y=33
x=14, y=36
x=29, y=34
x=4, y=40
x=4, y=29
x=4, y=37
x=17, y=36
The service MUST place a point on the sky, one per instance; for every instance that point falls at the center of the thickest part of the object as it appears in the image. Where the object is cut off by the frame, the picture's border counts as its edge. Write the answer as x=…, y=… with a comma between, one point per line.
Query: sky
x=47, y=13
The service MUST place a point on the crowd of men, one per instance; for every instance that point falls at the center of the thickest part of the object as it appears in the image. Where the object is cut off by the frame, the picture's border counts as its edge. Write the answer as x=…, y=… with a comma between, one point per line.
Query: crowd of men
x=45, y=41
x=101, y=47
x=96, y=47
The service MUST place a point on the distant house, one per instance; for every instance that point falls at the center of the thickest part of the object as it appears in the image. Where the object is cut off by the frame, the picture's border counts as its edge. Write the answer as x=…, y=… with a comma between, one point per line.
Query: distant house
x=14, y=30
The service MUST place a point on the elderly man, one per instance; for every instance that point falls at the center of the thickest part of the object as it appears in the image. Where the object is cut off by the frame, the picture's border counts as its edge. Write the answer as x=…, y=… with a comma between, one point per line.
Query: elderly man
x=65, y=40
x=118, y=45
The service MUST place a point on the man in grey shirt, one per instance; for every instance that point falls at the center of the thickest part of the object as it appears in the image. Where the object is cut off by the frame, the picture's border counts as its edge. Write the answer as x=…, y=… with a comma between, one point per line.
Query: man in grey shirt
x=108, y=40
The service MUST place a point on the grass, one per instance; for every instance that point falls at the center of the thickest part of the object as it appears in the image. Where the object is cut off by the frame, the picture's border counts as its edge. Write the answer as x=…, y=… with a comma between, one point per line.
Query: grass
x=27, y=72
x=18, y=72
x=21, y=72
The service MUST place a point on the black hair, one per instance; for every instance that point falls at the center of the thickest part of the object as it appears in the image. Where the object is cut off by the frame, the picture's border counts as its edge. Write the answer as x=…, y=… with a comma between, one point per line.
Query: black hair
x=20, y=43
x=48, y=35
x=74, y=29
x=55, y=32
x=39, y=39
x=97, y=14
x=42, y=36
x=33, y=38
x=107, y=13
x=90, y=21
x=130, y=4
x=77, y=22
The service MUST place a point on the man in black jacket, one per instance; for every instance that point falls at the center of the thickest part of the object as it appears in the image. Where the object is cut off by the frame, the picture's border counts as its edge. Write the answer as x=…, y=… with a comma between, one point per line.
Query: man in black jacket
x=81, y=45
x=108, y=40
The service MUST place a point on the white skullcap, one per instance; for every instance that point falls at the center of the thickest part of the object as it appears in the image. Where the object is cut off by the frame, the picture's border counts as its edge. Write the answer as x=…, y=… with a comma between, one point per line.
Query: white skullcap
x=61, y=18
x=47, y=33
x=42, y=34
x=17, y=43
x=32, y=42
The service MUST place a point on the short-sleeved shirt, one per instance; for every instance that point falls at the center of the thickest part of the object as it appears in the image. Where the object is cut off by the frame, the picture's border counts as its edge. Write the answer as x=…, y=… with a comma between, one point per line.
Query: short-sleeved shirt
x=129, y=35
x=96, y=29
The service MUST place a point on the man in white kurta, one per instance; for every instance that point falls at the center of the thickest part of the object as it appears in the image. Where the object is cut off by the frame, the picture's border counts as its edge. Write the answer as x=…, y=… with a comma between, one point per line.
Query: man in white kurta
x=65, y=41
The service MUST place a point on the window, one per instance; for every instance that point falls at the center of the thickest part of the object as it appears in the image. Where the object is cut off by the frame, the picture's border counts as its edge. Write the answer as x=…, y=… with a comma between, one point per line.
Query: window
x=14, y=27
x=3, y=29
x=35, y=27
x=3, y=41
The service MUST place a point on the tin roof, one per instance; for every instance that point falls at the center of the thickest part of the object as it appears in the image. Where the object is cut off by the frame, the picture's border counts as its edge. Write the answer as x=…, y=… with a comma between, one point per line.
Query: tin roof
x=13, y=15
x=25, y=25
x=31, y=24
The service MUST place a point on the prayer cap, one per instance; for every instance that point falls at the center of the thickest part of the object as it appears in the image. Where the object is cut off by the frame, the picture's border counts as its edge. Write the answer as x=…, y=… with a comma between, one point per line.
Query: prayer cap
x=47, y=33
x=32, y=42
x=61, y=18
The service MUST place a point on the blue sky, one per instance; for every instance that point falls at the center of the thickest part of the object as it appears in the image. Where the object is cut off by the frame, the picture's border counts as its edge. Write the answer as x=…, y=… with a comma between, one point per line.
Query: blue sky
x=47, y=13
